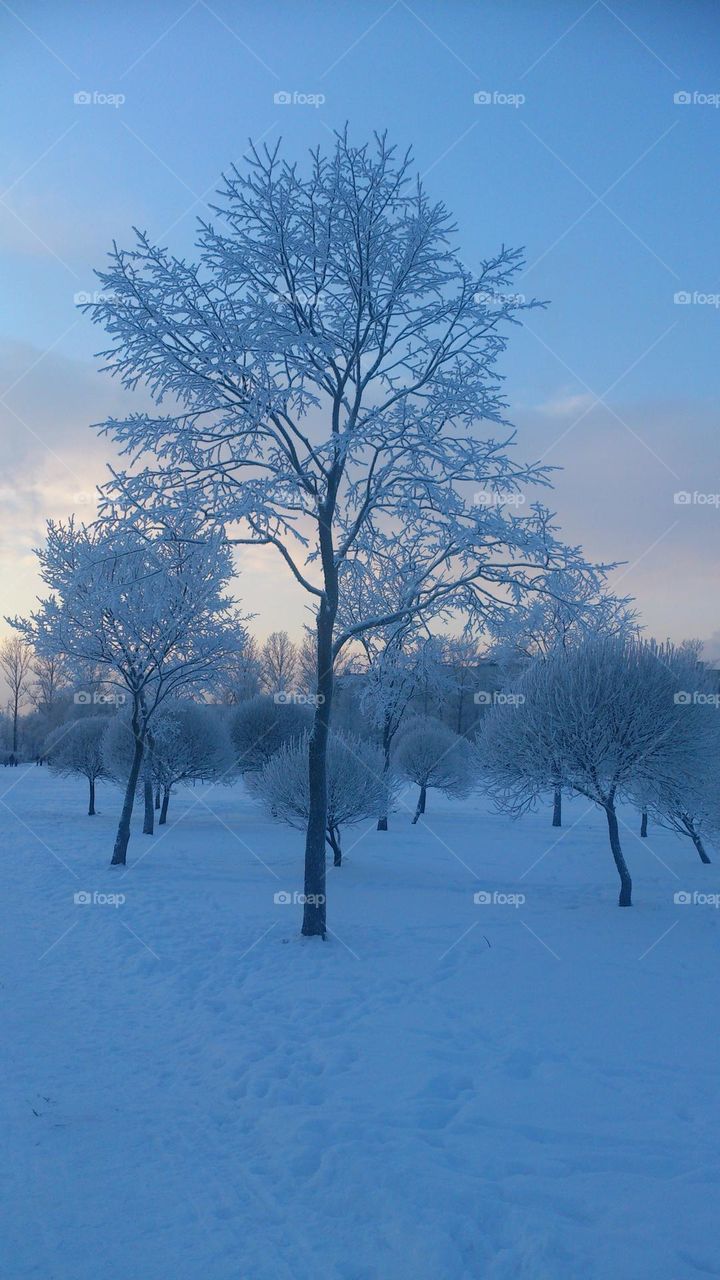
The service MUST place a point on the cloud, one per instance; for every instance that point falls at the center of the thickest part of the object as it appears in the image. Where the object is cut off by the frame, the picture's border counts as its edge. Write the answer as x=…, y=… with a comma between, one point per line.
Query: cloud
x=50, y=223
x=621, y=469
x=53, y=460
x=566, y=405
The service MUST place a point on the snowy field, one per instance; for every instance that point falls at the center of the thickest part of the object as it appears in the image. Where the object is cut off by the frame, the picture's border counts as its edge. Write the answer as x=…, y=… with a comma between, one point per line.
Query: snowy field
x=444, y=1090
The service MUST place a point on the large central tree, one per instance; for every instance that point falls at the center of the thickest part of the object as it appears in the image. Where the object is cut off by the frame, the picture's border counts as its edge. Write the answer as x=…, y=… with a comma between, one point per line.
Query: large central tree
x=326, y=365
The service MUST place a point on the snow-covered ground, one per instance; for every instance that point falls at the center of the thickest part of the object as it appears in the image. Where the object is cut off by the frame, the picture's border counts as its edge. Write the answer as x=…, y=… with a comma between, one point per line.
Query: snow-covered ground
x=444, y=1090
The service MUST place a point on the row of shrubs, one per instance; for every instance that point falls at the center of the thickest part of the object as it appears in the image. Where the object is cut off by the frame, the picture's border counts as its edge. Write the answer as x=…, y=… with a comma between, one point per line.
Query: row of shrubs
x=267, y=742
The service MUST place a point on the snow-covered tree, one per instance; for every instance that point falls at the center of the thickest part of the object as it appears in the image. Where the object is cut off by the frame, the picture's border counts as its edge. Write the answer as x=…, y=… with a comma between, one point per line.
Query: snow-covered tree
x=347, y=662
x=51, y=682
x=573, y=606
x=77, y=748
x=16, y=658
x=696, y=817
x=687, y=799
x=190, y=744
x=462, y=655
x=262, y=725
x=355, y=785
x=515, y=755
x=432, y=756
x=434, y=691
x=5, y=734
x=279, y=663
x=307, y=663
x=239, y=677
x=390, y=682
x=119, y=745
x=328, y=361
x=149, y=614
x=604, y=713
x=399, y=656
x=118, y=748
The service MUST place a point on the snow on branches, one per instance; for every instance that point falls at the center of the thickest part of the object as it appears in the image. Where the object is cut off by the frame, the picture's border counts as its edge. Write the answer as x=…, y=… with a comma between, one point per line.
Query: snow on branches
x=148, y=615
x=328, y=363
x=610, y=718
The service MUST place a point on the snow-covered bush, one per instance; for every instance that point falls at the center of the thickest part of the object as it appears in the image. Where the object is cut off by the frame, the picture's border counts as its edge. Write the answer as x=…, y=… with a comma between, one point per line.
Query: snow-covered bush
x=356, y=786
x=610, y=716
x=567, y=607
x=688, y=820
x=190, y=744
x=262, y=725
x=515, y=749
x=118, y=747
x=77, y=748
x=431, y=755
x=120, y=753
x=689, y=804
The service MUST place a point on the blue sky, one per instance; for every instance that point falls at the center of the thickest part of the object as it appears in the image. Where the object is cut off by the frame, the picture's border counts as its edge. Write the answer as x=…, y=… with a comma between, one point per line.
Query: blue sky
x=609, y=183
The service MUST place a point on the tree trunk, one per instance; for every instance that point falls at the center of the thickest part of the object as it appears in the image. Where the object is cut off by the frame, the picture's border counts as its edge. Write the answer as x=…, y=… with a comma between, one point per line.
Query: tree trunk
x=157, y=796
x=15, y=724
x=695, y=837
x=122, y=838
x=165, y=803
x=149, y=822
x=91, y=806
x=420, y=804
x=314, y=915
x=333, y=839
x=148, y=797
x=643, y=824
x=700, y=847
x=387, y=744
x=625, y=898
x=557, y=808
